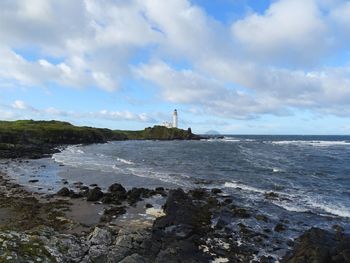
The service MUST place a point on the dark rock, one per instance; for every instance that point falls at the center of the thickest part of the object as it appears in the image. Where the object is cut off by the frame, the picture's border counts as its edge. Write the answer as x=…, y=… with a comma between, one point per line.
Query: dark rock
x=75, y=195
x=136, y=194
x=198, y=193
x=280, y=227
x=84, y=188
x=109, y=198
x=261, y=218
x=117, y=188
x=63, y=192
x=271, y=195
x=94, y=194
x=216, y=191
x=240, y=212
x=33, y=181
x=111, y=213
x=176, y=235
x=317, y=245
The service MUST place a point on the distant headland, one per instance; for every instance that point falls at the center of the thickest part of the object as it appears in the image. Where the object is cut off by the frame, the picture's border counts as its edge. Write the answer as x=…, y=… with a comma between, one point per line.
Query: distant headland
x=33, y=139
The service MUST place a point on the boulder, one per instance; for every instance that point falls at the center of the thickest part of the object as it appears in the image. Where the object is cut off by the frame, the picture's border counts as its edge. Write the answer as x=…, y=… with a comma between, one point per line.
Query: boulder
x=100, y=236
x=94, y=194
x=317, y=245
x=63, y=192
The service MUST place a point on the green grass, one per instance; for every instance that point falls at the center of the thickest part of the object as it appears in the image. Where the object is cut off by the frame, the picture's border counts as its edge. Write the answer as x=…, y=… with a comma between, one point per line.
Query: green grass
x=57, y=132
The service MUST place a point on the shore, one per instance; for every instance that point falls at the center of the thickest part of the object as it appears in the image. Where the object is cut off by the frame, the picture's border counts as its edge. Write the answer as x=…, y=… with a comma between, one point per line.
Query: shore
x=145, y=225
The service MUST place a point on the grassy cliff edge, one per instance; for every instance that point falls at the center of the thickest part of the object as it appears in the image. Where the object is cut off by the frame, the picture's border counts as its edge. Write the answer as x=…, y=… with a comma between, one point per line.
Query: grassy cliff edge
x=28, y=138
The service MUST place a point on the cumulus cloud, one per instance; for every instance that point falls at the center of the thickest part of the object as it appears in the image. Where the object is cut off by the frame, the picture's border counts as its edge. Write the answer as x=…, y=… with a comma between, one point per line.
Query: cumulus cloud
x=289, y=29
x=269, y=63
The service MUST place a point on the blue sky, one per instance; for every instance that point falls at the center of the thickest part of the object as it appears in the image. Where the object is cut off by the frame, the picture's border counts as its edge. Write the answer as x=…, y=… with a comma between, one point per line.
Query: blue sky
x=235, y=66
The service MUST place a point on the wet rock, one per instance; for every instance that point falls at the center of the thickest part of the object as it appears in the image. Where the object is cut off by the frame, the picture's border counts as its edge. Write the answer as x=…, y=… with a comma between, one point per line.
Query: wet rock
x=33, y=181
x=63, y=192
x=136, y=194
x=261, y=218
x=94, y=194
x=100, y=236
x=134, y=258
x=117, y=190
x=216, y=191
x=112, y=213
x=317, y=245
x=271, y=195
x=280, y=227
x=240, y=212
x=178, y=232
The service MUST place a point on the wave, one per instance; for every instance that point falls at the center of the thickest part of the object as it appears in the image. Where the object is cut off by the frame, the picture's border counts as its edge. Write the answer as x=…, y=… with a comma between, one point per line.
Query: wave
x=297, y=202
x=125, y=161
x=228, y=139
x=333, y=209
x=238, y=185
x=312, y=143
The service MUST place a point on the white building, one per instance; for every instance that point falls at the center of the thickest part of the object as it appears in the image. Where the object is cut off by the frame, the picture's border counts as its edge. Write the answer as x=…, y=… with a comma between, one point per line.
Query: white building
x=174, y=124
x=175, y=119
x=167, y=124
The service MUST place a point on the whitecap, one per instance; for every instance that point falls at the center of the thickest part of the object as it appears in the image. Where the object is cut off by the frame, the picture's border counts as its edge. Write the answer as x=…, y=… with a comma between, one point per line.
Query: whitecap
x=125, y=161
x=243, y=187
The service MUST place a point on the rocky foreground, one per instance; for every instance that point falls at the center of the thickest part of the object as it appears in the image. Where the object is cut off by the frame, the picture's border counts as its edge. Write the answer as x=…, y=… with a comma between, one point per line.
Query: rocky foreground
x=196, y=226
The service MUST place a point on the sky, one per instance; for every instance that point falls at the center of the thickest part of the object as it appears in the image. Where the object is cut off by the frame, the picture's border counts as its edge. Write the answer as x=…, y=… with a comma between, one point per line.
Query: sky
x=234, y=66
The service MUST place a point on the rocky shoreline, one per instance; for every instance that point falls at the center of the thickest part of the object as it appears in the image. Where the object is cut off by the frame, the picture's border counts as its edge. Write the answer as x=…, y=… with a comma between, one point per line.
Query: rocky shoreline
x=201, y=225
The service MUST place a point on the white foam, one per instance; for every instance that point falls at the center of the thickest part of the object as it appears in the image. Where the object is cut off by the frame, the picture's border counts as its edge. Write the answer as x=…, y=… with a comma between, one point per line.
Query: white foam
x=313, y=143
x=276, y=170
x=291, y=206
x=238, y=185
x=125, y=161
x=333, y=209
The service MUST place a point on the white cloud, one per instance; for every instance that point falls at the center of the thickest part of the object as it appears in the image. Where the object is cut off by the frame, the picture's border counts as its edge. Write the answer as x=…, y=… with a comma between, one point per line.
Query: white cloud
x=273, y=61
x=288, y=30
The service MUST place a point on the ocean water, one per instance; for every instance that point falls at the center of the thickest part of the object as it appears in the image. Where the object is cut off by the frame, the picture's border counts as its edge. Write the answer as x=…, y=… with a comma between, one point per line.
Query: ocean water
x=310, y=174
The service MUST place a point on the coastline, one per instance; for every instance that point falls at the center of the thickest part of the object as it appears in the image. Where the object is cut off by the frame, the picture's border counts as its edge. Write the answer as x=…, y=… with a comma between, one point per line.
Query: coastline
x=119, y=230
x=86, y=223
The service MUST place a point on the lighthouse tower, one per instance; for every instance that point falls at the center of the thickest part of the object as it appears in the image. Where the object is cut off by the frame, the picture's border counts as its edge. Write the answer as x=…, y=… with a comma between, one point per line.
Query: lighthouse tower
x=175, y=119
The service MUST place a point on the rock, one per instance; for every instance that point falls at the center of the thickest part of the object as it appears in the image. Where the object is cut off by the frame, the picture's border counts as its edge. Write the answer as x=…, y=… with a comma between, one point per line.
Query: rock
x=100, y=236
x=94, y=194
x=271, y=195
x=317, y=245
x=33, y=181
x=136, y=194
x=240, y=212
x=116, y=188
x=63, y=192
x=216, y=191
x=261, y=218
x=174, y=235
x=111, y=213
x=98, y=254
x=148, y=206
x=280, y=227
x=134, y=258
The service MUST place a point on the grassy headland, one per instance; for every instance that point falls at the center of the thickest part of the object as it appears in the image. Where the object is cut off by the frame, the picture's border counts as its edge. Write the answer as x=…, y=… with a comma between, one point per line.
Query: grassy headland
x=28, y=138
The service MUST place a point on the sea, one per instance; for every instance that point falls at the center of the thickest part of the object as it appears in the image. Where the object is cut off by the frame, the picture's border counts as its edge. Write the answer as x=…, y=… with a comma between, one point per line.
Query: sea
x=309, y=174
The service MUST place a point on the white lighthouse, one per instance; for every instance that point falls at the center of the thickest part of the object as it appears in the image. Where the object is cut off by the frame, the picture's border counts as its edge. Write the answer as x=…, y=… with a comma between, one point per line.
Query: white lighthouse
x=175, y=119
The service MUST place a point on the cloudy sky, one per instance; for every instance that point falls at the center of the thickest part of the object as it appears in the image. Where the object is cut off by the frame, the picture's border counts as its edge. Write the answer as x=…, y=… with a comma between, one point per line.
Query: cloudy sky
x=236, y=66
